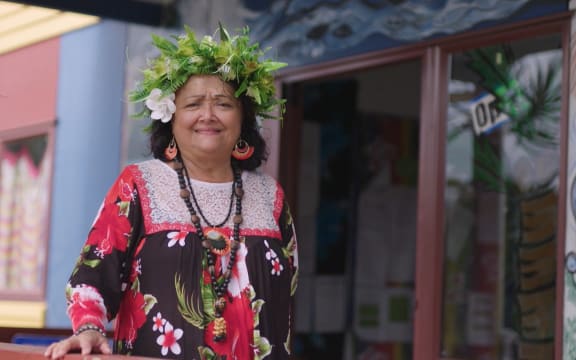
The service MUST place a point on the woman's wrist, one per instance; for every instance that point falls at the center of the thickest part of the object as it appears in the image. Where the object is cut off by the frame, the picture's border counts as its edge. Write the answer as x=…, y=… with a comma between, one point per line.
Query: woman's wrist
x=88, y=327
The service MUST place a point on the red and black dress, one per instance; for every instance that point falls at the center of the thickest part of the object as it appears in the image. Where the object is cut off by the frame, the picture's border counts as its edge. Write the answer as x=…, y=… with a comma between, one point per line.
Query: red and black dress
x=144, y=266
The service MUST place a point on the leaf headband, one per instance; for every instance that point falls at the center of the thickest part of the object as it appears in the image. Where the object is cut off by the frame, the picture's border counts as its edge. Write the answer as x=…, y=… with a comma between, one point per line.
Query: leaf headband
x=232, y=59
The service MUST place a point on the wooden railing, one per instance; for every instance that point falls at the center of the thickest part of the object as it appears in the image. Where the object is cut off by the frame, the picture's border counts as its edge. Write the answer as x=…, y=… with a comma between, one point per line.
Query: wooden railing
x=11, y=350
x=31, y=352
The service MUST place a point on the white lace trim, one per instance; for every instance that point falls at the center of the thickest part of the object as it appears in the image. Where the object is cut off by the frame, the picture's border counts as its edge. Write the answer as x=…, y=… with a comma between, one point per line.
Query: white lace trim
x=162, y=204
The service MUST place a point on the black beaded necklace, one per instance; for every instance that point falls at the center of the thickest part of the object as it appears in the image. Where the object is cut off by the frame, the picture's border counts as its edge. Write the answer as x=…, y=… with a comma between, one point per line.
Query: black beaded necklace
x=214, y=242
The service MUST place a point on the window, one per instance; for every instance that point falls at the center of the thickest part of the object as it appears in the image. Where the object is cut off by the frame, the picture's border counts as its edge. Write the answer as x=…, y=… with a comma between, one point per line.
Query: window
x=501, y=200
x=24, y=194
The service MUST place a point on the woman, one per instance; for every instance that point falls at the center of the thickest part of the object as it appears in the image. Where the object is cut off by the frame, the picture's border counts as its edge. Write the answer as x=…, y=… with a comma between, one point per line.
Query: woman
x=193, y=253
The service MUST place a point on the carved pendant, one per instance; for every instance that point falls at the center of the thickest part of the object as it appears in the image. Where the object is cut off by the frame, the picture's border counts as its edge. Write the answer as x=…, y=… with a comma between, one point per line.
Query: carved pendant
x=220, y=305
x=217, y=241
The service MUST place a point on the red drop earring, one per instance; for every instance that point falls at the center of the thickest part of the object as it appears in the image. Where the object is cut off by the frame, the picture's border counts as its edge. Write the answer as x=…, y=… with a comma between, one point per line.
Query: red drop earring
x=242, y=150
x=171, y=150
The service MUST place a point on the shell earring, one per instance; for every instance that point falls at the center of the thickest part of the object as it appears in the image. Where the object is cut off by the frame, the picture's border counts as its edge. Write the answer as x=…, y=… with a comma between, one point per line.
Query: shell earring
x=242, y=150
x=171, y=150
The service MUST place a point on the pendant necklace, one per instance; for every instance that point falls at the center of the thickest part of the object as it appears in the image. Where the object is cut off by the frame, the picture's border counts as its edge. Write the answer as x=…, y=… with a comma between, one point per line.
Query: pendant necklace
x=214, y=241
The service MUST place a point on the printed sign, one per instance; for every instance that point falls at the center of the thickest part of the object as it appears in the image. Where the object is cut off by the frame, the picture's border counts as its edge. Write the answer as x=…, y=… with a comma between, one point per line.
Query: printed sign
x=485, y=116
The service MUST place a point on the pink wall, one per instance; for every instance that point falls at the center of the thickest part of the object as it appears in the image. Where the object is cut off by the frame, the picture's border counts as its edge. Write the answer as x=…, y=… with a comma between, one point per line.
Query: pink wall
x=28, y=85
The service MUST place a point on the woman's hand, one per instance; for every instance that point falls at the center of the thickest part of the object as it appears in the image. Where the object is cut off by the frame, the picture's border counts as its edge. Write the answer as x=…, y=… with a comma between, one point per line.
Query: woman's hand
x=87, y=342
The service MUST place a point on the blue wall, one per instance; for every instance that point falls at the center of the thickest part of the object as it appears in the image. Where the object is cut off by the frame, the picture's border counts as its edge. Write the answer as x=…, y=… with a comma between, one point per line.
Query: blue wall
x=87, y=146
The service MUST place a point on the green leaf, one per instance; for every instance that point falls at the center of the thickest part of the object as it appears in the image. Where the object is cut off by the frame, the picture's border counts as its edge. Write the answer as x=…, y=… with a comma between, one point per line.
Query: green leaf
x=287, y=343
x=191, y=313
x=254, y=93
x=149, y=301
x=224, y=36
x=256, y=308
x=206, y=353
x=164, y=45
x=294, y=283
x=135, y=285
x=241, y=88
x=91, y=263
x=251, y=293
x=124, y=208
x=263, y=347
x=288, y=250
x=273, y=65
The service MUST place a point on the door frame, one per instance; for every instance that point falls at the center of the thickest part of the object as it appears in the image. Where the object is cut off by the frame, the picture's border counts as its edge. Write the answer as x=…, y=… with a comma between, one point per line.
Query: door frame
x=434, y=56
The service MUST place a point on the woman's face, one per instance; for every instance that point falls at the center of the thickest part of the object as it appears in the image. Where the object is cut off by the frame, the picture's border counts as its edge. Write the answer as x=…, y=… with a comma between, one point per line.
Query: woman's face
x=208, y=118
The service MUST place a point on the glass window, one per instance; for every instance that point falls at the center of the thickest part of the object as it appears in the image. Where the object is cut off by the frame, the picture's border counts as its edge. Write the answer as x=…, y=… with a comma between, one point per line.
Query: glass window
x=356, y=214
x=501, y=199
x=25, y=171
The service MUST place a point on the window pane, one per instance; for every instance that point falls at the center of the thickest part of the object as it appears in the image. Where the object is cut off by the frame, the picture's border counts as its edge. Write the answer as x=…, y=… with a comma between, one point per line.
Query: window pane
x=502, y=162
x=24, y=194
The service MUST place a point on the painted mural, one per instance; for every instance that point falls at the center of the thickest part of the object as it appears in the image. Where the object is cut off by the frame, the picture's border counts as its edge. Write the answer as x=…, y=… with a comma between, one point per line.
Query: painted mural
x=308, y=31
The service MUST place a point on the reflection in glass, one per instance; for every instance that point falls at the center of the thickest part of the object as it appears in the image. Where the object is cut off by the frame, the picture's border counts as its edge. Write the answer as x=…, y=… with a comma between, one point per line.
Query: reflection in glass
x=502, y=162
x=24, y=189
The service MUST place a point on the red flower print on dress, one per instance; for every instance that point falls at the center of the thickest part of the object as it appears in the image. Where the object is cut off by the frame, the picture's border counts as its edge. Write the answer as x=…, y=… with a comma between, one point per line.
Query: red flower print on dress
x=110, y=231
x=120, y=195
x=239, y=279
x=131, y=316
x=276, y=267
x=121, y=191
x=159, y=323
x=177, y=237
x=136, y=269
x=85, y=305
x=125, y=191
x=169, y=340
x=274, y=260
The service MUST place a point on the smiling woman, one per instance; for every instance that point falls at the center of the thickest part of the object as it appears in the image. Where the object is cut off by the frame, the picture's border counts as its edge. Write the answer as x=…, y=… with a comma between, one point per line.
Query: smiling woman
x=201, y=101
x=198, y=226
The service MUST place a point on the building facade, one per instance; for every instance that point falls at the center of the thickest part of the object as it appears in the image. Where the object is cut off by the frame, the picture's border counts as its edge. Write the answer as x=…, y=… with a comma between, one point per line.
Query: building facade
x=427, y=152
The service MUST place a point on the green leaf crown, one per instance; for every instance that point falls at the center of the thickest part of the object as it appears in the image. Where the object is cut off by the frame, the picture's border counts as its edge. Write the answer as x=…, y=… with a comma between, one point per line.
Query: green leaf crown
x=233, y=58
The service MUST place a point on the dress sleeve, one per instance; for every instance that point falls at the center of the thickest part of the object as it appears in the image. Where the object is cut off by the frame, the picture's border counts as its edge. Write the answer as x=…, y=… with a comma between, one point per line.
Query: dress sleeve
x=95, y=287
x=289, y=243
x=290, y=251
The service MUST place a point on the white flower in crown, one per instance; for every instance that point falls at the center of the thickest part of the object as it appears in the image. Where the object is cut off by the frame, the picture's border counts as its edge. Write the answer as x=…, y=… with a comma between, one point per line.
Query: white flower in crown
x=195, y=59
x=161, y=107
x=226, y=72
x=224, y=69
x=208, y=41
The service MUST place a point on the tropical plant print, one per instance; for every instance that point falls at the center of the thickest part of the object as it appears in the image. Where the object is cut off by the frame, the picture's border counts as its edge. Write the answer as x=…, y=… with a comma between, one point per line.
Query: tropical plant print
x=143, y=233
x=262, y=347
x=189, y=311
x=290, y=251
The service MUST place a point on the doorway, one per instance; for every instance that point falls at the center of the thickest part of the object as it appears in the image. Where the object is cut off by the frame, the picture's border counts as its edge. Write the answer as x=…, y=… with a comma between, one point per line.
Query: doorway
x=354, y=145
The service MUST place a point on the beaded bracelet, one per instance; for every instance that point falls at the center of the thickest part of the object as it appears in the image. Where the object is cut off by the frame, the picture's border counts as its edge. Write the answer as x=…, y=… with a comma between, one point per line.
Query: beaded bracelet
x=87, y=327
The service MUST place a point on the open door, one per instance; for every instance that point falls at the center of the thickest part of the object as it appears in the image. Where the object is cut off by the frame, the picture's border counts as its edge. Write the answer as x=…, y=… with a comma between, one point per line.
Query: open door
x=352, y=174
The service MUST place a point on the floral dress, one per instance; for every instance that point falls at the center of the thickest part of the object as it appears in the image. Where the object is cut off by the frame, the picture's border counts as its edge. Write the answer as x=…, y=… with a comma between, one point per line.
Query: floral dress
x=144, y=266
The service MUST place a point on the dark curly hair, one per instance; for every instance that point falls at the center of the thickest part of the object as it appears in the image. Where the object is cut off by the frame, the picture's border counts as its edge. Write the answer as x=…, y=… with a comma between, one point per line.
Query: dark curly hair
x=161, y=134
